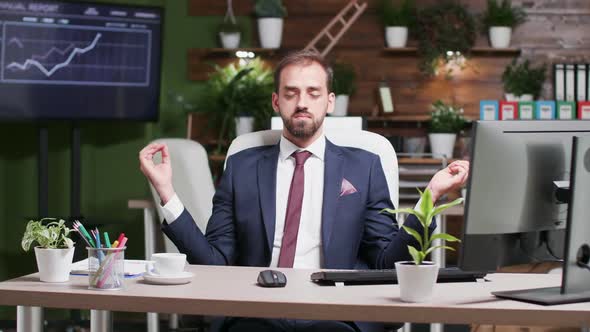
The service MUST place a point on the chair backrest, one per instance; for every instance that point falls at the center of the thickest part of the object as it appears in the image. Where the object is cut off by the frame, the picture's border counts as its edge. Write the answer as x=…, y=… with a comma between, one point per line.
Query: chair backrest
x=362, y=139
x=192, y=180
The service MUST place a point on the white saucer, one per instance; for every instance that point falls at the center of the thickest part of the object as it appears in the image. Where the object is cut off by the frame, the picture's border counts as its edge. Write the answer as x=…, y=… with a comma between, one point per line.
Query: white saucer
x=182, y=278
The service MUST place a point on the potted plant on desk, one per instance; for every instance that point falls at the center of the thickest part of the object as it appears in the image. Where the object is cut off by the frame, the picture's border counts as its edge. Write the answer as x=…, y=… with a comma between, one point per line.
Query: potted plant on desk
x=416, y=278
x=55, y=250
x=445, y=122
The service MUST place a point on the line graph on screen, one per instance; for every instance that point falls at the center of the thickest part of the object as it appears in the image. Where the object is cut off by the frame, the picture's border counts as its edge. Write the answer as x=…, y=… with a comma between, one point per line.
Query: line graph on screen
x=75, y=55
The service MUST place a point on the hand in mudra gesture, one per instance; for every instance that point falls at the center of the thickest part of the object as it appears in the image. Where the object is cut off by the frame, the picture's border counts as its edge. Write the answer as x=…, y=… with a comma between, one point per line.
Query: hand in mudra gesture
x=159, y=175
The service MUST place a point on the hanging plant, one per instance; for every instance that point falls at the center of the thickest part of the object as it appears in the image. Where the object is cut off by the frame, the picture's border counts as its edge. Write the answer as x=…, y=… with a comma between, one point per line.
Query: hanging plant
x=445, y=27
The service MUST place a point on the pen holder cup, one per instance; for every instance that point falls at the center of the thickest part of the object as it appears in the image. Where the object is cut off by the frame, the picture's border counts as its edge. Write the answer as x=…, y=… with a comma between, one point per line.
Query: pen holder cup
x=106, y=268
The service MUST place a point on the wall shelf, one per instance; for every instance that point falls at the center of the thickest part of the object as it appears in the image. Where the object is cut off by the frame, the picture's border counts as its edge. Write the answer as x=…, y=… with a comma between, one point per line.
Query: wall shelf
x=474, y=51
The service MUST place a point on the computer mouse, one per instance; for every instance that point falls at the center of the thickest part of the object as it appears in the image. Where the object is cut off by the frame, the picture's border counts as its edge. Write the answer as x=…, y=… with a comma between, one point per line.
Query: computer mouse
x=272, y=278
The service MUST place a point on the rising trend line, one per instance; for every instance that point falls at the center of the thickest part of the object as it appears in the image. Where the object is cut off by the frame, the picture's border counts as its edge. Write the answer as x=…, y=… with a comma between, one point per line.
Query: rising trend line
x=31, y=62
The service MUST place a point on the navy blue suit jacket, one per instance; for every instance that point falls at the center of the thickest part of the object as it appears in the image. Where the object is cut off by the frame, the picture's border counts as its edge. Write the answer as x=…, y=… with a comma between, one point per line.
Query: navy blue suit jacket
x=242, y=226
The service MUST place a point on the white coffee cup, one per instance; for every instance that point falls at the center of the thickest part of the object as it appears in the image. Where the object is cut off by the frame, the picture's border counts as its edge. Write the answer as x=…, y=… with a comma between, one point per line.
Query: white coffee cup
x=166, y=264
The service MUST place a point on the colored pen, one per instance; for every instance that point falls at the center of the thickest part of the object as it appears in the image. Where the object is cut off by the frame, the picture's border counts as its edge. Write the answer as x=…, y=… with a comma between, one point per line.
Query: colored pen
x=121, y=236
x=107, y=241
x=85, y=232
x=97, y=236
x=115, y=244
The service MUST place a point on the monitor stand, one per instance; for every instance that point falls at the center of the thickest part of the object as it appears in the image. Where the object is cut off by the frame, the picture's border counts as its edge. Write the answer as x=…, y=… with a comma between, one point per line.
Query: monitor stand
x=544, y=296
x=575, y=282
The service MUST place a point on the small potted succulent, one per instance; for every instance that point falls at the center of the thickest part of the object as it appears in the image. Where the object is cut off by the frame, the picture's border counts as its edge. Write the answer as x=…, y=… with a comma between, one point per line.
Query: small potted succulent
x=397, y=21
x=523, y=82
x=445, y=122
x=499, y=19
x=343, y=87
x=54, y=251
x=270, y=15
x=416, y=278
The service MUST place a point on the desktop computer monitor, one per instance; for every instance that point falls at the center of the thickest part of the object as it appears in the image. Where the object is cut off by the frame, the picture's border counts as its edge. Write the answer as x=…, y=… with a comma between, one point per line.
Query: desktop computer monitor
x=575, y=282
x=512, y=214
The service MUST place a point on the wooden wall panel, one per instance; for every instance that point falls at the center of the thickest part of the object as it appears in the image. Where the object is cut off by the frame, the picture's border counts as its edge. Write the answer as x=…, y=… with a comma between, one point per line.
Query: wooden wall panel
x=556, y=31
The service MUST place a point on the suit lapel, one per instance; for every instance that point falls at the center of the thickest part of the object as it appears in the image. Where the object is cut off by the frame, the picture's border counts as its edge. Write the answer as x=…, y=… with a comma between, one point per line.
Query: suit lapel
x=267, y=187
x=332, y=183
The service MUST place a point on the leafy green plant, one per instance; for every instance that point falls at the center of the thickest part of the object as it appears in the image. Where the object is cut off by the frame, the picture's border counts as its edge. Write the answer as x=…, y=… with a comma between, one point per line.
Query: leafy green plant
x=270, y=8
x=502, y=15
x=49, y=233
x=445, y=27
x=344, y=79
x=404, y=15
x=522, y=78
x=427, y=211
x=237, y=90
x=446, y=118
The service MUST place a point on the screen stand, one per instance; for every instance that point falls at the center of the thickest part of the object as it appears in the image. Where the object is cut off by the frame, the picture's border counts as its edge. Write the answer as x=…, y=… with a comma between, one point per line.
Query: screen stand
x=544, y=296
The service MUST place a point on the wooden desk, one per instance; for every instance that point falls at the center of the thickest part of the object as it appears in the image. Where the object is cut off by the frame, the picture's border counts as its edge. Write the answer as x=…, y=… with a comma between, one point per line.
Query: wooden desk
x=232, y=291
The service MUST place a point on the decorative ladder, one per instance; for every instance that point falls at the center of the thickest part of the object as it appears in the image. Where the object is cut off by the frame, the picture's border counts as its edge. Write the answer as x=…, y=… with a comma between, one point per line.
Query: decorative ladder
x=353, y=9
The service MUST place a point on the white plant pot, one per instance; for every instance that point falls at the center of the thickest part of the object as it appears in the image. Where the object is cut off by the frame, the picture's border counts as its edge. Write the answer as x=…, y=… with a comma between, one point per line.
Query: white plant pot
x=244, y=125
x=442, y=144
x=54, y=264
x=270, y=32
x=416, y=282
x=340, y=106
x=230, y=39
x=396, y=36
x=500, y=37
x=513, y=97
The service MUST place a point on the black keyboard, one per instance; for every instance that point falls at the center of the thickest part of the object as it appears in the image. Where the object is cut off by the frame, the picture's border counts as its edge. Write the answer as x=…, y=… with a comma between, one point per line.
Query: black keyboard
x=368, y=277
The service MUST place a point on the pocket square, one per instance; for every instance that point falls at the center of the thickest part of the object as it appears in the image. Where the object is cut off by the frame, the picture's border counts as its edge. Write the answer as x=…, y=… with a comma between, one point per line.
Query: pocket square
x=347, y=188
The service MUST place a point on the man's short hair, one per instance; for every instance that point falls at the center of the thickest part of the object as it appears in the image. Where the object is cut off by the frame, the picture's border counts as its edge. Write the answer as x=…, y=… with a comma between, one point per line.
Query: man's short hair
x=303, y=57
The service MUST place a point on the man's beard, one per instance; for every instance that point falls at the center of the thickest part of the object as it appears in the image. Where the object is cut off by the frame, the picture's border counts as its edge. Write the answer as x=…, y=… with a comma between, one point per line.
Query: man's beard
x=302, y=128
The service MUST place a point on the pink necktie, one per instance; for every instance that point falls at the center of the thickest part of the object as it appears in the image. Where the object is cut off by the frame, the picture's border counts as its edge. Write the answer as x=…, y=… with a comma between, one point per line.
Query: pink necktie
x=293, y=215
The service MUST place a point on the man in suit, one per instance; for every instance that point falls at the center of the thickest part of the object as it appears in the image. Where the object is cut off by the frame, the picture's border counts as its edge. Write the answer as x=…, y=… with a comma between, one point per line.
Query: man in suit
x=303, y=203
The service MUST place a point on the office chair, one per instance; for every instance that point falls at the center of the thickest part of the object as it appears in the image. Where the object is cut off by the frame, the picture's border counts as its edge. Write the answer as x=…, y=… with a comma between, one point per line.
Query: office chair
x=365, y=140
x=193, y=183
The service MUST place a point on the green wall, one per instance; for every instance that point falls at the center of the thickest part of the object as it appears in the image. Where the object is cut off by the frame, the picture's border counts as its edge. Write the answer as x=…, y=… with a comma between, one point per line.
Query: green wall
x=110, y=173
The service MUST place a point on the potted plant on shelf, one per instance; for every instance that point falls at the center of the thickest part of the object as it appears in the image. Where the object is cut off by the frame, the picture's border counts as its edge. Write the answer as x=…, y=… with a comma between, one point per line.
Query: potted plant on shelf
x=446, y=33
x=230, y=34
x=236, y=98
x=523, y=82
x=499, y=20
x=445, y=122
x=55, y=250
x=229, y=30
x=397, y=21
x=270, y=15
x=416, y=278
x=343, y=87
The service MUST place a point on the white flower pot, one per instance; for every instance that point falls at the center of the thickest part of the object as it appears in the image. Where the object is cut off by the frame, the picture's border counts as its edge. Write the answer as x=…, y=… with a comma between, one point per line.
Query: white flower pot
x=230, y=39
x=416, y=282
x=270, y=32
x=396, y=36
x=244, y=125
x=500, y=37
x=513, y=97
x=442, y=144
x=54, y=264
x=340, y=106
